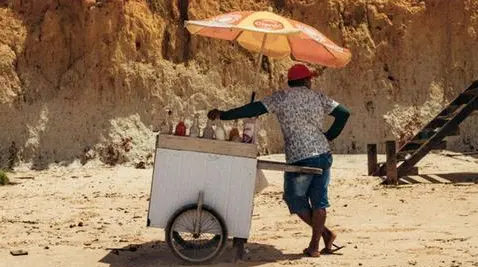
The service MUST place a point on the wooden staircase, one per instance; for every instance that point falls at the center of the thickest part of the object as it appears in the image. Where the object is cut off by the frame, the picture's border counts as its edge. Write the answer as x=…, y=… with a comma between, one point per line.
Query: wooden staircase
x=432, y=135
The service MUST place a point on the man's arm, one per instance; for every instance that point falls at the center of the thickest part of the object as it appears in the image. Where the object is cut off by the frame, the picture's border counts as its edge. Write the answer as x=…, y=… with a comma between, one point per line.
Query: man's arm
x=247, y=111
x=341, y=115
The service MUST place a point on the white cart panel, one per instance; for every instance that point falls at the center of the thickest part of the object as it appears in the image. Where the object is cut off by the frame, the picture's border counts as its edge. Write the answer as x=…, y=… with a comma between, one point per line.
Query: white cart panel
x=227, y=182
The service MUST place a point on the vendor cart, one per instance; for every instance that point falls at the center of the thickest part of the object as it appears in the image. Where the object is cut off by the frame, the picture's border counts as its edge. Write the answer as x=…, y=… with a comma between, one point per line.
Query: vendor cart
x=202, y=193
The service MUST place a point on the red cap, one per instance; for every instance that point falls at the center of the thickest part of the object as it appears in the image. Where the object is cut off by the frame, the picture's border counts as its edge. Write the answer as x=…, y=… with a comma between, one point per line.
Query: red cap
x=300, y=71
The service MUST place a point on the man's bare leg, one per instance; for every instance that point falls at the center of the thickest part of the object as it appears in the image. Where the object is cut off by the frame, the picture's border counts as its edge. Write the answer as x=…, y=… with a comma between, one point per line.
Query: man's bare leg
x=327, y=234
x=318, y=224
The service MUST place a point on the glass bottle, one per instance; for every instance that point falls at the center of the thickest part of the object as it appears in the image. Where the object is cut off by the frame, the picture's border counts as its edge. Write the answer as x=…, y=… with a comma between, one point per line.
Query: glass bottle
x=165, y=128
x=180, y=128
x=220, y=132
x=234, y=135
x=208, y=131
x=194, y=131
x=170, y=122
x=249, y=130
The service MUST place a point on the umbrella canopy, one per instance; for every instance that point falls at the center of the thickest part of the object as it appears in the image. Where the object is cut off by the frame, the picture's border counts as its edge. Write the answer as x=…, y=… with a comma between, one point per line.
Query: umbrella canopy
x=274, y=36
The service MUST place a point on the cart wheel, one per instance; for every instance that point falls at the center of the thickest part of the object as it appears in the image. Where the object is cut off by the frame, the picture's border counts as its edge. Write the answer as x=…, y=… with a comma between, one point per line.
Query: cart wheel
x=177, y=237
x=208, y=244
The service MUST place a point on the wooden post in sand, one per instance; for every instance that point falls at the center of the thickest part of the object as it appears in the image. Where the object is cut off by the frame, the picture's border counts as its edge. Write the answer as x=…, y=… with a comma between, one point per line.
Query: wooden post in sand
x=372, y=158
x=392, y=174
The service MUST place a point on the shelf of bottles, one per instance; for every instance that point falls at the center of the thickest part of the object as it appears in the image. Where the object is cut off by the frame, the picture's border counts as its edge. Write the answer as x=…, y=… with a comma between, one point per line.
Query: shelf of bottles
x=214, y=130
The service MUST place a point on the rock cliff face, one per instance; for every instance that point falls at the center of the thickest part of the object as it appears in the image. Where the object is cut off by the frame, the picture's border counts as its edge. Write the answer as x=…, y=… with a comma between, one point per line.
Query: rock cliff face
x=77, y=76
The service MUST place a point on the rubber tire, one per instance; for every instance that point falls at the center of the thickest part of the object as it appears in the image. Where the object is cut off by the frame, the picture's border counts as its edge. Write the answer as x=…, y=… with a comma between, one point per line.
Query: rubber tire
x=170, y=236
x=185, y=244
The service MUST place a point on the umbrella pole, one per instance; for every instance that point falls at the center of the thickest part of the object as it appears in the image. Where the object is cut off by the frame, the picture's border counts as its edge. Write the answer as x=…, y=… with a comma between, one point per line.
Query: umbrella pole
x=261, y=55
x=256, y=126
x=259, y=63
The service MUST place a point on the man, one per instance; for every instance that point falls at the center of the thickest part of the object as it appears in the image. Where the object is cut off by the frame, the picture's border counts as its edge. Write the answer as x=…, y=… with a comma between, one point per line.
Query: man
x=300, y=112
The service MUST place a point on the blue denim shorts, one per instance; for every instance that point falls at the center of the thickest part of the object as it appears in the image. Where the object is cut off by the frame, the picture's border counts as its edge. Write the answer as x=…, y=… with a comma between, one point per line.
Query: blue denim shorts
x=304, y=192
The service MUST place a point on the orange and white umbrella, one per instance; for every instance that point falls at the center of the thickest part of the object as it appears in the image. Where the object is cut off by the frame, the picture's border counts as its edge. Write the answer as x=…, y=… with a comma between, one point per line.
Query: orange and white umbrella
x=274, y=36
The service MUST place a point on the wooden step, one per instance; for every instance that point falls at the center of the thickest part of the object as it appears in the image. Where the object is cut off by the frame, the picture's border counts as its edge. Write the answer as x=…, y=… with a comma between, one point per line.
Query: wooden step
x=418, y=141
x=450, y=111
x=448, y=116
x=471, y=92
x=438, y=123
x=406, y=154
x=451, y=108
x=463, y=99
x=413, y=144
x=410, y=146
x=416, y=144
x=426, y=133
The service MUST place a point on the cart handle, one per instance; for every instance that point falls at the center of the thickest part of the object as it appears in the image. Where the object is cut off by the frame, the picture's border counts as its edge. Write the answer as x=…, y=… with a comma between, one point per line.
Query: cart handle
x=280, y=166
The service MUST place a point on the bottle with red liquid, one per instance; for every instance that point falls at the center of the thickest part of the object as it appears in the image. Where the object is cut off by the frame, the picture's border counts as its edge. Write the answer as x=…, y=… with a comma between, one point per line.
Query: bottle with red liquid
x=180, y=128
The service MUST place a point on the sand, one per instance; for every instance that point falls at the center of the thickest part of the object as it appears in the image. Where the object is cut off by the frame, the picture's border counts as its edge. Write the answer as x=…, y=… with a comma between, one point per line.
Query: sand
x=71, y=216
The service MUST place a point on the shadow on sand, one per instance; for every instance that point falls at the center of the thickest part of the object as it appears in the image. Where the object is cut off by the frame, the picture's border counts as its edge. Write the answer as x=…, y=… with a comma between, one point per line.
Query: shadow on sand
x=442, y=178
x=159, y=254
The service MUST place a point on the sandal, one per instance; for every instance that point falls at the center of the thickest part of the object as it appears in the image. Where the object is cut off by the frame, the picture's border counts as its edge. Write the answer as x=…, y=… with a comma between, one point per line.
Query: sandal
x=331, y=250
x=314, y=254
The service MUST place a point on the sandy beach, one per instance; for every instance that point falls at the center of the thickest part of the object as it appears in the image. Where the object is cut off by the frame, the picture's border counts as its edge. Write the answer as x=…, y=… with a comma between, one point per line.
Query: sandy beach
x=89, y=83
x=73, y=217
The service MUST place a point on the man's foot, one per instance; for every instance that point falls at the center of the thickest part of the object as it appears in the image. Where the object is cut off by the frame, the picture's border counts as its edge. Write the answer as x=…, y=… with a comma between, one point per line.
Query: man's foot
x=326, y=251
x=311, y=253
x=329, y=241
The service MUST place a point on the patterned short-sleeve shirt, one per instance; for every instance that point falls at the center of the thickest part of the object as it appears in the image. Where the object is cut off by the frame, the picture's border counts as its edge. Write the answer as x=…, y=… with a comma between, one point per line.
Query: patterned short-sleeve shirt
x=301, y=112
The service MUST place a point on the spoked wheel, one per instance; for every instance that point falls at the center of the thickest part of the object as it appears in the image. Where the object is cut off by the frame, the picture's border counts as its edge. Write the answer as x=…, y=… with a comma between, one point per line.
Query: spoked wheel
x=196, y=243
x=184, y=243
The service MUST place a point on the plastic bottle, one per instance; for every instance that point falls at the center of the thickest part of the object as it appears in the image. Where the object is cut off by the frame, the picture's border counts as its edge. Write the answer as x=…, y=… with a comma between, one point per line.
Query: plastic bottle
x=208, y=131
x=220, y=132
x=234, y=135
x=194, y=131
x=180, y=128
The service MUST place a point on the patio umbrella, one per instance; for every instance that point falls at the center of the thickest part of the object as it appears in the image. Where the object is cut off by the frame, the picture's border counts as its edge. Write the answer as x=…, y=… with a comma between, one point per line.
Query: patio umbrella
x=274, y=36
